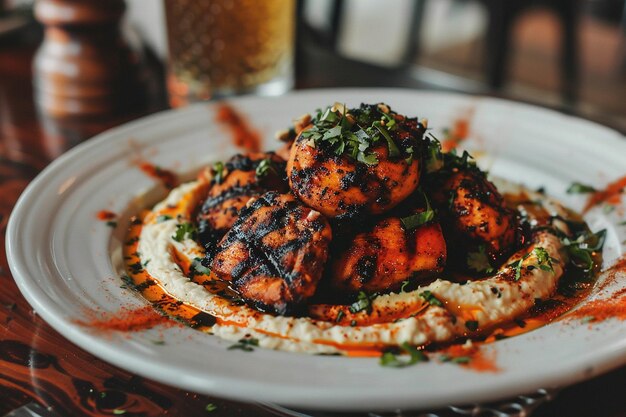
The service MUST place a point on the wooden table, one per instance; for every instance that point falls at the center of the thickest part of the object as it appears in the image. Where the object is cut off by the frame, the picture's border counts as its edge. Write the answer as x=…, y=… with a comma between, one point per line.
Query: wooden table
x=39, y=365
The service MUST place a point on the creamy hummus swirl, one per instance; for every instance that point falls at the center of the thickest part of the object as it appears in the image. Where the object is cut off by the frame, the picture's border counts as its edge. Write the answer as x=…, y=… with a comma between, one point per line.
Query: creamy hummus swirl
x=508, y=293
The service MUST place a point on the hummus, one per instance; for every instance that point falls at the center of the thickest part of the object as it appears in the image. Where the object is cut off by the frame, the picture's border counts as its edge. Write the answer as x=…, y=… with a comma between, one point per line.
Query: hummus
x=441, y=311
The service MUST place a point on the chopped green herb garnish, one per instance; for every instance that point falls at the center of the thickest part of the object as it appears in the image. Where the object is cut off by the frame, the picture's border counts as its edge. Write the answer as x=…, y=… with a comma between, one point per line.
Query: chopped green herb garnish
x=544, y=261
x=210, y=407
x=583, y=247
x=418, y=219
x=471, y=325
x=218, y=172
x=340, y=315
x=363, y=303
x=392, y=360
x=118, y=412
x=184, y=231
x=158, y=342
x=431, y=298
x=356, y=132
x=587, y=319
x=136, y=268
x=247, y=345
x=163, y=217
x=391, y=145
x=579, y=188
x=196, y=268
x=433, y=160
x=405, y=286
x=112, y=224
x=455, y=359
x=128, y=283
x=479, y=261
x=265, y=167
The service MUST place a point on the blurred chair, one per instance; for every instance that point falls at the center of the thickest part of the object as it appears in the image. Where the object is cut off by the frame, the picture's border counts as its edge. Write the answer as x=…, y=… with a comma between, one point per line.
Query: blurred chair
x=502, y=16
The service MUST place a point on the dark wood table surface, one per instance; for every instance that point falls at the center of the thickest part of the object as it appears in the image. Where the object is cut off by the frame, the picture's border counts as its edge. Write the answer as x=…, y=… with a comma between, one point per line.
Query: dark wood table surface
x=38, y=365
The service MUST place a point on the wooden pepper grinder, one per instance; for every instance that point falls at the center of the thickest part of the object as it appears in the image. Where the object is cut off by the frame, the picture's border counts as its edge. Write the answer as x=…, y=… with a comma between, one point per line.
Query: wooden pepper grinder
x=83, y=66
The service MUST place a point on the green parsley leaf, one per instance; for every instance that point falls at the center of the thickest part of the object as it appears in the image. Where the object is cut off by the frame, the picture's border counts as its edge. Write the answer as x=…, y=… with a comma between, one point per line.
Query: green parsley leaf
x=218, y=172
x=247, y=345
x=163, y=217
x=418, y=219
x=544, y=261
x=433, y=160
x=112, y=224
x=479, y=261
x=265, y=167
x=431, y=298
x=391, y=145
x=184, y=231
x=582, y=248
x=196, y=268
x=340, y=315
x=579, y=188
x=363, y=303
x=471, y=325
x=392, y=360
x=118, y=412
x=210, y=407
x=405, y=286
x=136, y=268
x=370, y=159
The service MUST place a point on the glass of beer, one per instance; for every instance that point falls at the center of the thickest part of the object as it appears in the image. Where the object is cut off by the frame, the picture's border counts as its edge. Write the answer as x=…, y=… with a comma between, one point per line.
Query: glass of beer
x=220, y=48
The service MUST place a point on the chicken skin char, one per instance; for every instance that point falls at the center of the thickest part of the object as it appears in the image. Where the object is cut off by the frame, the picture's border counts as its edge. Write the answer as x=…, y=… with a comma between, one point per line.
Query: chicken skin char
x=381, y=259
x=231, y=188
x=277, y=249
x=328, y=178
x=275, y=253
x=474, y=215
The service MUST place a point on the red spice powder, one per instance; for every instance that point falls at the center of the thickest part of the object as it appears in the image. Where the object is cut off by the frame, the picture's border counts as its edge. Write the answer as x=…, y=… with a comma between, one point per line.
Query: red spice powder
x=242, y=134
x=600, y=310
x=127, y=320
x=611, y=194
x=168, y=178
x=479, y=361
x=105, y=215
x=612, y=307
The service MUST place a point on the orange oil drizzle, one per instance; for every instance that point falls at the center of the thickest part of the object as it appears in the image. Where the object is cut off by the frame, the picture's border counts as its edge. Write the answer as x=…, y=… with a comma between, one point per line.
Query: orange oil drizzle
x=243, y=136
x=105, y=215
x=167, y=178
x=458, y=133
x=610, y=195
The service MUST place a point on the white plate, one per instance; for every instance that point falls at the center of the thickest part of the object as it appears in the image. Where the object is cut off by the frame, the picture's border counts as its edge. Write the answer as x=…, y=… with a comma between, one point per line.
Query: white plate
x=67, y=263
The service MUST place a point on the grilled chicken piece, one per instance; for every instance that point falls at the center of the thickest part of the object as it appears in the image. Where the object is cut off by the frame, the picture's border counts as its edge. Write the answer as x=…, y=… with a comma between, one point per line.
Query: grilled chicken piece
x=379, y=260
x=341, y=176
x=232, y=185
x=475, y=216
x=275, y=252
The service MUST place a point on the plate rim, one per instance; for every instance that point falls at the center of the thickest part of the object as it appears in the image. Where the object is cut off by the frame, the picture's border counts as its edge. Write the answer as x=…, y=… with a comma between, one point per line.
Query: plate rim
x=34, y=293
